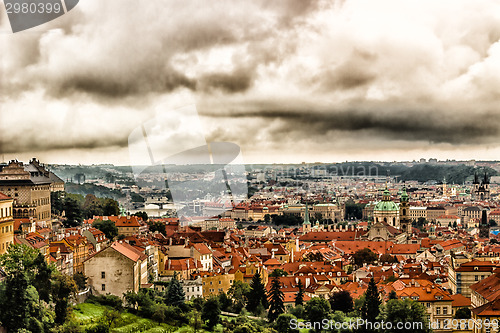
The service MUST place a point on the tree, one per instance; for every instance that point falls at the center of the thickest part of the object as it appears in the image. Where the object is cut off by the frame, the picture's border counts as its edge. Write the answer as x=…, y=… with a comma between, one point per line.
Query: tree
x=317, y=309
x=41, y=280
x=387, y=258
x=211, y=312
x=371, y=305
x=257, y=294
x=195, y=321
x=175, y=293
x=225, y=302
x=364, y=256
x=157, y=226
x=239, y=292
x=462, y=313
x=63, y=286
x=19, y=258
x=405, y=311
x=393, y=295
x=72, y=212
x=92, y=206
x=299, y=298
x=108, y=227
x=142, y=215
x=276, y=299
x=110, y=207
x=278, y=272
x=282, y=323
x=80, y=280
x=342, y=301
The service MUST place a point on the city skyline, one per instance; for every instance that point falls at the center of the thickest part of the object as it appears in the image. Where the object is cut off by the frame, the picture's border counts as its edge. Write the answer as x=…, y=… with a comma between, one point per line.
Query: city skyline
x=313, y=81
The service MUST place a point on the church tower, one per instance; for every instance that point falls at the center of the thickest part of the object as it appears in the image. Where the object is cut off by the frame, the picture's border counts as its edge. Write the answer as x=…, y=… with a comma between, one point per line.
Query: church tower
x=484, y=227
x=306, y=225
x=404, y=214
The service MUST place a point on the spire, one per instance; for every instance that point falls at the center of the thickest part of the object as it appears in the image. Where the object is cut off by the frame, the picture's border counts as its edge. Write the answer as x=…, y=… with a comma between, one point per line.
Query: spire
x=387, y=195
x=486, y=180
x=404, y=195
x=306, y=216
x=476, y=179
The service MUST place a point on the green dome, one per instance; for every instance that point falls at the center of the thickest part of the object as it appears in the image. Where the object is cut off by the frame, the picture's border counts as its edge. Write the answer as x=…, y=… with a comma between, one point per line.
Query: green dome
x=386, y=206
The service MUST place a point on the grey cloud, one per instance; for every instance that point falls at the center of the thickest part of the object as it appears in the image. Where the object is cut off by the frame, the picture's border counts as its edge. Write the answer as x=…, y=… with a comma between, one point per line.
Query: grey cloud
x=389, y=123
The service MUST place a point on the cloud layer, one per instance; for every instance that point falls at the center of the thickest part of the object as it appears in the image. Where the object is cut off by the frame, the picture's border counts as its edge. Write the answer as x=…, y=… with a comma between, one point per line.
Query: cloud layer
x=331, y=78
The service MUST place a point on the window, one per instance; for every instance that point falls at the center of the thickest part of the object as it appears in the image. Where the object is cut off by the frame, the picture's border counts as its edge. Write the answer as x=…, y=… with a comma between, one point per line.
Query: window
x=445, y=310
x=220, y=282
x=103, y=275
x=103, y=287
x=438, y=310
x=428, y=305
x=476, y=277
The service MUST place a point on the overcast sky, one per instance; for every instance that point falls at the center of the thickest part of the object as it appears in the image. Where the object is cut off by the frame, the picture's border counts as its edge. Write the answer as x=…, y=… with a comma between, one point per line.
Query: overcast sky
x=288, y=81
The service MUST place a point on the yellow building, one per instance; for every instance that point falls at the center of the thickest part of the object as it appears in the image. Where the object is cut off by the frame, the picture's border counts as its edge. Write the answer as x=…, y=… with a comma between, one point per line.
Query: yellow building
x=214, y=284
x=6, y=223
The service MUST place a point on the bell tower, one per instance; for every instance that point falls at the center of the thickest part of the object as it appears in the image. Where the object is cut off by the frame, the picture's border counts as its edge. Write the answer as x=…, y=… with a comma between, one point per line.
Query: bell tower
x=404, y=214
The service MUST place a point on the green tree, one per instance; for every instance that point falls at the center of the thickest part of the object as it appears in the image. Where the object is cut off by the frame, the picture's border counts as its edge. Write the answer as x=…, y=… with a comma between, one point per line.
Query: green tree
x=225, y=302
x=239, y=292
x=317, y=309
x=278, y=272
x=364, y=256
x=110, y=207
x=108, y=227
x=393, y=295
x=299, y=297
x=80, y=280
x=72, y=211
x=19, y=258
x=463, y=313
x=195, y=321
x=92, y=206
x=342, y=301
x=14, y=307
x=175, y=293
x=282, y=323
x=143, y=215
x=211, y=312
x=405, y=311
x=157, y=226
x=63, y=286
x=257, y=294
x=276, y=299
x=371, y=305
x=43, y=274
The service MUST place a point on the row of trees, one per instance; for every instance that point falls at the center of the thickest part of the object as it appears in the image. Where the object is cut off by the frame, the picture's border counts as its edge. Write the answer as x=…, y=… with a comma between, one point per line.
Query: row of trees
x=76, y=207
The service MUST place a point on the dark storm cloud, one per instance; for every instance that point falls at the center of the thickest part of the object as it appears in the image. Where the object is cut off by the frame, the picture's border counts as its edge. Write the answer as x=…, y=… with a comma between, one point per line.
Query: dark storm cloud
x=33, y=143
x=395, y=124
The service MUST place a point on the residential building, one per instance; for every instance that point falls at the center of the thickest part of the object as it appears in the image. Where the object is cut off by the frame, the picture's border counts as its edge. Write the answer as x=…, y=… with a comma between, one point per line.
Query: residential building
x=116, y=270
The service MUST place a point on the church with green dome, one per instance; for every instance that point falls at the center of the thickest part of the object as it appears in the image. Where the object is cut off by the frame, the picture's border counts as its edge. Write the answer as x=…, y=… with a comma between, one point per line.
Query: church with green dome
x=386, y=211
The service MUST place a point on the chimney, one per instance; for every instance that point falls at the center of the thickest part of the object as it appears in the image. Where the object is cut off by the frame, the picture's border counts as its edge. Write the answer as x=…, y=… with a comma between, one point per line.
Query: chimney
x=169, y=262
